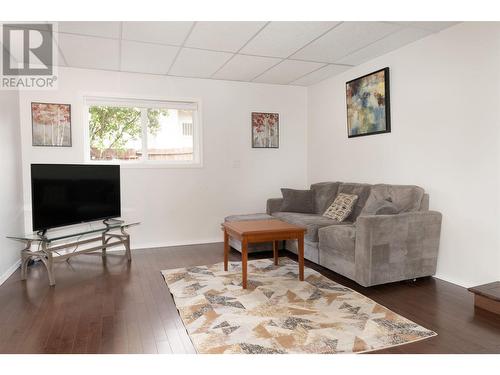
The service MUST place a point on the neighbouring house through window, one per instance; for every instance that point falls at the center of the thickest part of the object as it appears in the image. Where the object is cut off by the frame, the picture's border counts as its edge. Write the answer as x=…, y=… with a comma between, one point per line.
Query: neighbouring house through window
x=143, y=131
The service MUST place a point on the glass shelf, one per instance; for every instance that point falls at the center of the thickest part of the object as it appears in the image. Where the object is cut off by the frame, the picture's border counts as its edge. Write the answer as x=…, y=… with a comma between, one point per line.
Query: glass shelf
x=74, y=231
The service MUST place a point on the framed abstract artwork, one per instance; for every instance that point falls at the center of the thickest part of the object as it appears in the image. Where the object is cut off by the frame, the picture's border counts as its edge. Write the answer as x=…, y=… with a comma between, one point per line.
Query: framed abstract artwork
x=51, y=124
x=368, y=104
x=265, y=130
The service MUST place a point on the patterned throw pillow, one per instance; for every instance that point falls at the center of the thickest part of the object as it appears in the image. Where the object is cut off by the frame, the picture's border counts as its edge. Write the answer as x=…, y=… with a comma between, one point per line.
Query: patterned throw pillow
x=341, y=207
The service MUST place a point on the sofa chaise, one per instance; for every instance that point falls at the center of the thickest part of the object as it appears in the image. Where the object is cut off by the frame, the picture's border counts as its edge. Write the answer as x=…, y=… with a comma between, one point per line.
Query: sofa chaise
x=367, y=248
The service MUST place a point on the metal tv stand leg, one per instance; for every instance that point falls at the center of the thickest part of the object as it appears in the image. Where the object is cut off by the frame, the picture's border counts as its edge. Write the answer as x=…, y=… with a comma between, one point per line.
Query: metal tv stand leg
x=25, y=258
x=127, y=244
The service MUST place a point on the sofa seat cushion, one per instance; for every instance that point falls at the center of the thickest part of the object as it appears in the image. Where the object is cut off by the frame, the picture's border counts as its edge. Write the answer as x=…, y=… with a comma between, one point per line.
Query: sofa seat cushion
x=340, y=239
x=407, y=198
x=337, y=249
x=311, y=222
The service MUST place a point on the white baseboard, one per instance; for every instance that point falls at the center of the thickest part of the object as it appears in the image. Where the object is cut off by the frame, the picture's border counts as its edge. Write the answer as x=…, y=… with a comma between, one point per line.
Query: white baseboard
x=142, y=246
x=155, y=245
x=16, y=265
x=454, y=281
x=9, y=271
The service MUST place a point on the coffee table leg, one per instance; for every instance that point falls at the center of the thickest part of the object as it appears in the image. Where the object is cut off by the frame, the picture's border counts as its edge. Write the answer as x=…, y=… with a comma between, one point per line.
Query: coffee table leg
x=226, y=249
x=300, y=242
x=276, y=250
x=244, y=259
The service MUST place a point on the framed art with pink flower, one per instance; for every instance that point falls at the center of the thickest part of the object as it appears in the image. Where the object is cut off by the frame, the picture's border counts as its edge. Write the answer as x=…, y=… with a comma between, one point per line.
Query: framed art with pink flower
x=265, y=130
x=51, y=124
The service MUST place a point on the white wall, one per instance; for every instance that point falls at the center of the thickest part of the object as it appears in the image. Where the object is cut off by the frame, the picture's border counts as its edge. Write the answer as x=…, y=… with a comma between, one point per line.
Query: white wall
x=445, y=104
x=187, y=205
x=11, y=198
x=445, y=94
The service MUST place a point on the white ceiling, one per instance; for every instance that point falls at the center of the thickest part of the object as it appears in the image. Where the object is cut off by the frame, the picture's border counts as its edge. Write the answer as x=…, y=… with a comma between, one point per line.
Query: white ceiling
x=297, y=53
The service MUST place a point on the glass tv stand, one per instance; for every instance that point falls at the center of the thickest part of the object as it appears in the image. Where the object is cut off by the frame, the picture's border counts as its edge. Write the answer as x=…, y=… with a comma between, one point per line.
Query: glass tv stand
x=61, y=244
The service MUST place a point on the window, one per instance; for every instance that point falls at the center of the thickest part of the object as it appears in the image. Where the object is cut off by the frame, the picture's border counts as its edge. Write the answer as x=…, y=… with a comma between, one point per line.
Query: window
x=143, y=131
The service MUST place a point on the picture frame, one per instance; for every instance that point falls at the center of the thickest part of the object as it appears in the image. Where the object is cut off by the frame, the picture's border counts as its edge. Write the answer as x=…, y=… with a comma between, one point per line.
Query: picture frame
x=51, y=124
x=368, y=104
x=265, y=129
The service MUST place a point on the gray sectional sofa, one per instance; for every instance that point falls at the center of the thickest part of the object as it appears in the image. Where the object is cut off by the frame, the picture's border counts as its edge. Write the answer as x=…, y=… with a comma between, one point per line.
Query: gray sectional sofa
x=369, y=249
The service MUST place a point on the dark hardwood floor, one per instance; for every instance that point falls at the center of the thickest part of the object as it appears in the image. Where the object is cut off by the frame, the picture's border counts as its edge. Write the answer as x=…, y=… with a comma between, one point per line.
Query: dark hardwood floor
x=111, y=306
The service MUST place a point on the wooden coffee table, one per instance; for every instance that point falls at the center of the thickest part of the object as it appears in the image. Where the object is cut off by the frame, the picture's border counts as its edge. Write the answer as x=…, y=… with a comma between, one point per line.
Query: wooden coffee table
x=262, y=231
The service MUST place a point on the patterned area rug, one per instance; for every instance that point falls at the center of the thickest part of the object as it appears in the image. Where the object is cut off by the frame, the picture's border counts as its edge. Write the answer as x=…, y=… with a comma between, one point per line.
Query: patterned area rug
x=280, y=314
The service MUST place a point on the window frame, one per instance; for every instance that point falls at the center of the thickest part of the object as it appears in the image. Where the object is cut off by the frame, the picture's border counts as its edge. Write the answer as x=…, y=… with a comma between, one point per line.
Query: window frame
x=115, y=100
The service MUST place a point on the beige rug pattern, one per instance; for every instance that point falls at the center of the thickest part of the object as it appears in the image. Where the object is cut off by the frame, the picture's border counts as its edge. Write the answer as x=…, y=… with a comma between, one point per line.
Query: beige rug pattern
x=280, y=314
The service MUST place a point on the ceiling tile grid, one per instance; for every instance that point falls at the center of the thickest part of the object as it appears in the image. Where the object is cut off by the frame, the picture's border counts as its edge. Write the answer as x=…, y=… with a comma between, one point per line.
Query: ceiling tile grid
x=287, y=71
x=344, y=39
x=222, y=36
x=281, y=39
x=171, y=32
x=90, y=52
x=320, y=74
x=146, y=58
x=91, y=28
x=198, y=63
x=276, y=52
x=245, y=68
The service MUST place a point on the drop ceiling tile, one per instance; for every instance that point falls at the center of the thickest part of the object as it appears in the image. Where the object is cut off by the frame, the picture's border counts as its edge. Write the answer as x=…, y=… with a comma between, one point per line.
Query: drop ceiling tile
x=146, y=57
x=103, y=29
x=281, y=39
x=385, y=45
x=245, y=68
x=434, y=26
x=287, y=71
x=164, y=32
x=321, y=74
x=222, y=36
x=198, y=63
x=60, y=60
x=90, y=52
x=345, y=39
x=43, y=25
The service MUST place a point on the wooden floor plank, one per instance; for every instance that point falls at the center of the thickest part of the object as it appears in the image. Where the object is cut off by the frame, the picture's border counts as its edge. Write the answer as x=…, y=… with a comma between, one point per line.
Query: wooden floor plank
x=112, y=306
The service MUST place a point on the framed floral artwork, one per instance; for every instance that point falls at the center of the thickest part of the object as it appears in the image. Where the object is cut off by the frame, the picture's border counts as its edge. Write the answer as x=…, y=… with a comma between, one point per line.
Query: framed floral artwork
x=265, y=130
x=51, y=124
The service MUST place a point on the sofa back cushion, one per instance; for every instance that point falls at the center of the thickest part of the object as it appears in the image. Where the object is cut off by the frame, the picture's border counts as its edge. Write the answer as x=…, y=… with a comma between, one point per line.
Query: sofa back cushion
x=380, y=207
x=297, y=201
x=362, y=191
x=407, y=198
x=324, y=195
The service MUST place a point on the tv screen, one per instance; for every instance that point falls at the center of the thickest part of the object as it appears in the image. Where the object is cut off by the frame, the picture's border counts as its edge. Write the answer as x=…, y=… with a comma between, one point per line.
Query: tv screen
x=65, y=194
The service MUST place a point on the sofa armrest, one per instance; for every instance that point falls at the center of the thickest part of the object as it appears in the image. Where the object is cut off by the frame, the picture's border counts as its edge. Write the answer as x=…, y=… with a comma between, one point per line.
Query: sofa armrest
x=273, y=205
x=396, y=247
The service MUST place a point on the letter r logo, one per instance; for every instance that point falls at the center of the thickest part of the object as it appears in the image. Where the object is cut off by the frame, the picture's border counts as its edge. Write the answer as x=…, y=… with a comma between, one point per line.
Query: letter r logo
x=27, y=49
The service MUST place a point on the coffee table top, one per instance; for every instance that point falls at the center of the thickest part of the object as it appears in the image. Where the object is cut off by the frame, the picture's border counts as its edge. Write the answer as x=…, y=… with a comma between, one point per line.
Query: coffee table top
x=262, y=226
x=491, y=290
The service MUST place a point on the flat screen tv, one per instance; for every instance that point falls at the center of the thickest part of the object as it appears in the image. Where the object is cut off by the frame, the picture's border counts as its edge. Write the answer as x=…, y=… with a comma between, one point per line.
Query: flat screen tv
x=65, y=194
